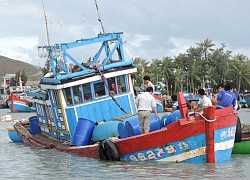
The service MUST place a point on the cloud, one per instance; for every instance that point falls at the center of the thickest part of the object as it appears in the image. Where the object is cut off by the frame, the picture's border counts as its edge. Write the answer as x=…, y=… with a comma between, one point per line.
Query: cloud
x=19, y=48
x=153, y=29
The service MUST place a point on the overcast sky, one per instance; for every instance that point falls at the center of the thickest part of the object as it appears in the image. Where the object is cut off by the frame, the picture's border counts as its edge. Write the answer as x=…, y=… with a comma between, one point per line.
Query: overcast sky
x=153, y=29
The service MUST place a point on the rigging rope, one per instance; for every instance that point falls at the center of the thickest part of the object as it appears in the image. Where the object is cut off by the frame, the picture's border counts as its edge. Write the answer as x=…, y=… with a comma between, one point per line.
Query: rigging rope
x=103, y=78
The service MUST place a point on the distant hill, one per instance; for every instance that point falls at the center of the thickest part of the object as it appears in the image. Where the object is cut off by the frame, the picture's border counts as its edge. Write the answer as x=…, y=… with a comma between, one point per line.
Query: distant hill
x=11, y=66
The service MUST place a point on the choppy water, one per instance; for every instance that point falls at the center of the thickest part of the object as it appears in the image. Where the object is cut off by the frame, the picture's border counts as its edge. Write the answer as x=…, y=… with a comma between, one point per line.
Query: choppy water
x=20, y=162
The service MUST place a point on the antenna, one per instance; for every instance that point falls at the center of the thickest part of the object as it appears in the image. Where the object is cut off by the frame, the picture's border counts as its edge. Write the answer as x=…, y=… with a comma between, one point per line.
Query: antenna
x=46, y=25
x=99, y=17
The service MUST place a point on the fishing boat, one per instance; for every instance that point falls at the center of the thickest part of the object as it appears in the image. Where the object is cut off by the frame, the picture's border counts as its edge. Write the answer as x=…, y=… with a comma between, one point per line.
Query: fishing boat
x=3, y=103
x=83, y=111
x=243, y=145
x=17, y=103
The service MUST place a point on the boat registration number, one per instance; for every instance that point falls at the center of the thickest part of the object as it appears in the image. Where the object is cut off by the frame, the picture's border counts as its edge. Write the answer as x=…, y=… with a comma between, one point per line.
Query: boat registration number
x=158, y=152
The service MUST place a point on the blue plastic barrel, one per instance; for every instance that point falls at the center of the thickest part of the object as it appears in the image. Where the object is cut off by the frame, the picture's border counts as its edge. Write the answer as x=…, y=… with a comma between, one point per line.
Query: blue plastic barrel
x=175, y=116
x=83, y=132
x=105, y=130
x=132, y=125
x=166, y=120
x=122, y=130
x=159, y=106
x=34, y=128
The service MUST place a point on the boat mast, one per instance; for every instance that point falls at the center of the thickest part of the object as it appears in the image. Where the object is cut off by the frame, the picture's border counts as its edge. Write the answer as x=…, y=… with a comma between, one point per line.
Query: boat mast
x=46, y=25
x=99, y=17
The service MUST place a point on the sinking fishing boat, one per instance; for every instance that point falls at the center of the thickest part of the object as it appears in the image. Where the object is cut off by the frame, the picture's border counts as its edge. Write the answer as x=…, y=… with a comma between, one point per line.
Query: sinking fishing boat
x=18, y=104
x=88, y=108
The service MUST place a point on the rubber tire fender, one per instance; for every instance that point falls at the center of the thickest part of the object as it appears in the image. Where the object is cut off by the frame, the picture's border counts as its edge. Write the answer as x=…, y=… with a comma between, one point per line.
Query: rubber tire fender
x=112, y=152
x=238, y=134
x=30, y=104
x=102, y=151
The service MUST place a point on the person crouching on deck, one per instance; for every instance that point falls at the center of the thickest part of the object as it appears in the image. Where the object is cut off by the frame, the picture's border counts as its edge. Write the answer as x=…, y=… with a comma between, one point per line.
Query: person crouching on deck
x=145, y=103
x=203, y=103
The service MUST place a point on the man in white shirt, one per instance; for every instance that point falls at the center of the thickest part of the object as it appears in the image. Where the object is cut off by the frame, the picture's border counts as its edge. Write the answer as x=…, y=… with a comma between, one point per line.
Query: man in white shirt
x=146, y=102
x=203, y=103
x=148, y=83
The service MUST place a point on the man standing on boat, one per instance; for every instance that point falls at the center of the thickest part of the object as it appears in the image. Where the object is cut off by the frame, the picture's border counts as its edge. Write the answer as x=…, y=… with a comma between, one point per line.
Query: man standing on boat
x=237, y=95
x=145, y=103
x=148, y=83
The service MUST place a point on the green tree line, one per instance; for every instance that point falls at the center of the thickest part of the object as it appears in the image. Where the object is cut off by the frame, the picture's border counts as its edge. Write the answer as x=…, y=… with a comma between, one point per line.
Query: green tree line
x=15, y=81
x=201, y=66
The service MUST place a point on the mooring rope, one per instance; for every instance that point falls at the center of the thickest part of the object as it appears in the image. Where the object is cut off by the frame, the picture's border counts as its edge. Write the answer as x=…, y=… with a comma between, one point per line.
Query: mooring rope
x=208, y=120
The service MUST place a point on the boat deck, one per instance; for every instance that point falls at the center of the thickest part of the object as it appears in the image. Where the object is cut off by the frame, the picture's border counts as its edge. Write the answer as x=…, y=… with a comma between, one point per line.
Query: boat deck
x=40, y=139
x=59, y=143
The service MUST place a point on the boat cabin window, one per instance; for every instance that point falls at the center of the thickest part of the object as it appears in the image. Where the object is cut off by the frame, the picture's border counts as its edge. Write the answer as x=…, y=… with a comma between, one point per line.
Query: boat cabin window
x=67, y=95
x=87, y=92
x=99, y=89
x=112, y=85
x=121, y=84
x=77, y=94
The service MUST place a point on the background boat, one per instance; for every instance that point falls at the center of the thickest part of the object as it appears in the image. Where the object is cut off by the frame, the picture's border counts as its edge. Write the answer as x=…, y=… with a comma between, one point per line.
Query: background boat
x=3, y=103
x=243, y=146
x=19, y=104
x=13, y=135
x=246, y=96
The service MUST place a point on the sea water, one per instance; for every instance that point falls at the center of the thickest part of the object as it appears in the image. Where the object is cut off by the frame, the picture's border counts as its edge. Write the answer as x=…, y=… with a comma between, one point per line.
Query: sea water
x=18, y=161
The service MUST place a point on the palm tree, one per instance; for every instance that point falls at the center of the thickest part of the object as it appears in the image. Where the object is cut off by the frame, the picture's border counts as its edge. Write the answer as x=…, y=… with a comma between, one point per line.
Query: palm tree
x=154, y=71
x=240, y=68
x=178, y=80
x=167, y=70
x=194, y=55
x=206, y=47
x=142, y=68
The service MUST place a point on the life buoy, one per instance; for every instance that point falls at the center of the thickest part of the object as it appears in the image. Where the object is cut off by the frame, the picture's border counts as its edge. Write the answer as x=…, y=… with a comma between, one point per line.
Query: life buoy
x=238, y=134
x=30, y=104
x=108, y=151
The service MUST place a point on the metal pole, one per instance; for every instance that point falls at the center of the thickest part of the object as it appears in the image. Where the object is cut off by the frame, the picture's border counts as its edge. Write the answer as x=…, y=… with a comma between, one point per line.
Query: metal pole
x=46, y=25
x=99, y=17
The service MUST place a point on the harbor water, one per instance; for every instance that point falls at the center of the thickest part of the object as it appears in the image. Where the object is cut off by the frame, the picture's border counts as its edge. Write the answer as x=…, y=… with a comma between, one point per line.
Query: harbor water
x=18, y=161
